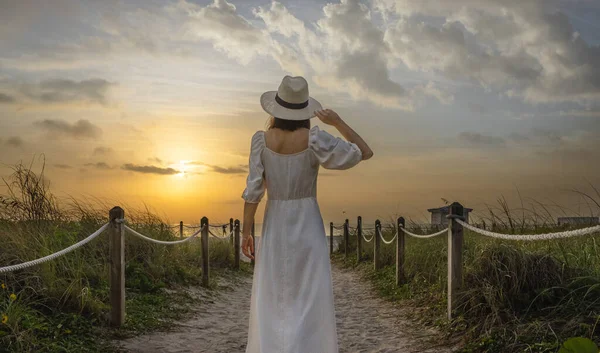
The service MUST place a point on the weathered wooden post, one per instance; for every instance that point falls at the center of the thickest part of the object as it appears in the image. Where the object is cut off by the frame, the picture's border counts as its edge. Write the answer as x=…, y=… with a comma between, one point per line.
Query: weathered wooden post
x=377, y=245
x=117, y=266
x=358, y=238
x=205, y=269
x=330, y=237
x=180, y=229
x=400, y=244
x=236, y=244
x=346, y=237
x=253, y=242
x=231, y=231
x=455, y=249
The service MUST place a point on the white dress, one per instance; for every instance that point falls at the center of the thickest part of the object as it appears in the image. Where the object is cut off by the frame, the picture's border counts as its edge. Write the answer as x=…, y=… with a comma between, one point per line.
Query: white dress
x=292, y=309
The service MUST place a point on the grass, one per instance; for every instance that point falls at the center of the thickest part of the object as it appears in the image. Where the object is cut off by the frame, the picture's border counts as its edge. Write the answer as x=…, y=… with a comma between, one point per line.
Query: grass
x=63, y=305
x=516, y=297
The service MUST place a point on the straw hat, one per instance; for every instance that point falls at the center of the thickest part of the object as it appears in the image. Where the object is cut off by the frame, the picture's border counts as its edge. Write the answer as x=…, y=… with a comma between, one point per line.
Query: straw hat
x=291, y=101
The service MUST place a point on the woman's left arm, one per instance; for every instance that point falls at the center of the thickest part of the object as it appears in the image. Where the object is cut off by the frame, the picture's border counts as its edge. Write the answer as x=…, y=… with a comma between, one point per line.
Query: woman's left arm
x=247, y=241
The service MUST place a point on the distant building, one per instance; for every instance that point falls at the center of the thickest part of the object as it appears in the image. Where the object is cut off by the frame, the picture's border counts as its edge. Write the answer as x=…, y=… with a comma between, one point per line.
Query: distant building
x=578, y=221
x=438, y=215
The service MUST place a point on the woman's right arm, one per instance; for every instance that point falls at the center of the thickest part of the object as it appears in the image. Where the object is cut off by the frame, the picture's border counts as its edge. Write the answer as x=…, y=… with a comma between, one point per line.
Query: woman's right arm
x=330, y=117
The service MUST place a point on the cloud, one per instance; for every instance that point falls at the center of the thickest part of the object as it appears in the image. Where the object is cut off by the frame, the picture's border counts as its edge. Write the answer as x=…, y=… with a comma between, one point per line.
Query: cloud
x=479, y=140
x=155, y=160
x=146, y=169
x=229, y=32
x=346, y=51
x=6, y=99
x=229, y=170
x=62, y=166
x=103, y=151
x=240, y=169
x=15, y=141
x=67, y=91
x=82, y=129
x=525, y=49
x=99, y=165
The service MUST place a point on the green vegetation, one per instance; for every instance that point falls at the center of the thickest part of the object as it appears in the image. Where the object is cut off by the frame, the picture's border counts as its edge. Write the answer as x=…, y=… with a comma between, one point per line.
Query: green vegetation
x=62, y=305
x=517, y=296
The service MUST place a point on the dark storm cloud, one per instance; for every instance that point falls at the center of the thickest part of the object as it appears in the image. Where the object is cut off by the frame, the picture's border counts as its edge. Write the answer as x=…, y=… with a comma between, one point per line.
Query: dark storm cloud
x=148, y=169
x=80, y=129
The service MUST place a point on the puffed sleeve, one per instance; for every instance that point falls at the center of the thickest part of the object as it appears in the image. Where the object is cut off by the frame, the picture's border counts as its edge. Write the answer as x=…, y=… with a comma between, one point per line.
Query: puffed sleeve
x=333, y=152
x=255, y=183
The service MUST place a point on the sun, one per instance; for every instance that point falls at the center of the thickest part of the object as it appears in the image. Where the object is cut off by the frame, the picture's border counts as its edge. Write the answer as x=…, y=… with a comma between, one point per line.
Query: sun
x=183, y=168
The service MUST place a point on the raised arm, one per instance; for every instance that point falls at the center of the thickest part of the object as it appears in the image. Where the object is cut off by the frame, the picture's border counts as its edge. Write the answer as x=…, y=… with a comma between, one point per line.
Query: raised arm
x=330, y=117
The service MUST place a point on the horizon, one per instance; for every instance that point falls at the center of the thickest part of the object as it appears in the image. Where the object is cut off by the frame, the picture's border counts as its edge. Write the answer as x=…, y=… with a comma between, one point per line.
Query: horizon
x=154, y=103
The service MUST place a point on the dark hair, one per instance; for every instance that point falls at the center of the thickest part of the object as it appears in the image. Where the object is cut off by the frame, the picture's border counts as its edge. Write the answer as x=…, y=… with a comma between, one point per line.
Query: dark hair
x=289, y=125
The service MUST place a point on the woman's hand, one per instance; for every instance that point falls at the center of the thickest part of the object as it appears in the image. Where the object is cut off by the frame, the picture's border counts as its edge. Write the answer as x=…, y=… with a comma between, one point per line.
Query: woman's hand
x=328, y=116
x=248, y=246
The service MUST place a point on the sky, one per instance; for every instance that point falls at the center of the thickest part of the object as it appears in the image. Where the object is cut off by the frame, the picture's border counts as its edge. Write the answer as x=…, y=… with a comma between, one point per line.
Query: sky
x=153, y=103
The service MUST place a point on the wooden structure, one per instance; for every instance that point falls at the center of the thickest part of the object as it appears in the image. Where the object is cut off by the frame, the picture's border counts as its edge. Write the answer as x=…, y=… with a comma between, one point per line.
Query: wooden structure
x=578, y=221
x=438, y=215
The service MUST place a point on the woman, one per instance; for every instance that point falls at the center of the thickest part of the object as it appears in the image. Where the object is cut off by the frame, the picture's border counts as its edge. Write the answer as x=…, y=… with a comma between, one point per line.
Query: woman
x=292, y=309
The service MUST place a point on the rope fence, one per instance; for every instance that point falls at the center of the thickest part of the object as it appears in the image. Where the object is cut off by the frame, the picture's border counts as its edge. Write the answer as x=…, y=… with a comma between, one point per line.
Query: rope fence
x=57, y=254
x=117, y=229
x=456, y=225
x=155, y=241
x=443, y=231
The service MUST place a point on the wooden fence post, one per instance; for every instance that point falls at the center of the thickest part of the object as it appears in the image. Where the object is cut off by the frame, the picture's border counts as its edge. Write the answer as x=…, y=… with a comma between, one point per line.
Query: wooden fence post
x=358, y=238
x=455, y=249
x=400, y=244
x=346, y=237
x=236, y=244
x=117, y=266
x=253, y=242
x=205, y=269
x=330, y=237
x=180, y=229
x=376, y=246
x=231, y=231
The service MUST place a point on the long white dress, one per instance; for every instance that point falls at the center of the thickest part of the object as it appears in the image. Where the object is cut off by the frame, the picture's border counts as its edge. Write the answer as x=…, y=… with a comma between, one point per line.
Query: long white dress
x=292, y=308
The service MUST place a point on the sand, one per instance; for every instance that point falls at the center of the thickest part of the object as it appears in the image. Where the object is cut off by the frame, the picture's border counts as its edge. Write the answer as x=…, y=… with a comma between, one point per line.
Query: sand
x=365, y=322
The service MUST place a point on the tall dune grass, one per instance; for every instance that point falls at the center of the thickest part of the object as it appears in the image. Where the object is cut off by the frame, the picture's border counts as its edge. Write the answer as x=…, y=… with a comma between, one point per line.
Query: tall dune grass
x=517, y=296
x=59, y=305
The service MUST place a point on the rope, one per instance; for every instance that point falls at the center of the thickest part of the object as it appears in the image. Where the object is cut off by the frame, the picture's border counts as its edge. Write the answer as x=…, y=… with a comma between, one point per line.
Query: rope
x=387, y=241
x=368, y=240
x=191, y=227
x=545, y=236
x=56, y=254
x=220, y=236
x=161, y=241
x=424, y=236
x=218, y=225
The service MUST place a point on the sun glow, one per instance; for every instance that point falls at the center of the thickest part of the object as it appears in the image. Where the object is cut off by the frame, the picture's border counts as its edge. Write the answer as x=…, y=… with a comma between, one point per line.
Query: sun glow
x=183, y=168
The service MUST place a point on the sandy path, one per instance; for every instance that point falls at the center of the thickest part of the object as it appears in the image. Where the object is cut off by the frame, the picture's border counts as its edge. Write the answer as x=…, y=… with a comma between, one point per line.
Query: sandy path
x=365, y=323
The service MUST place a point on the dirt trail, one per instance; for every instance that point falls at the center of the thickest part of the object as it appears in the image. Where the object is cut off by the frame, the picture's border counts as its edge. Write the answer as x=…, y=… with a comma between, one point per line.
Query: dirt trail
x=365, y=323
